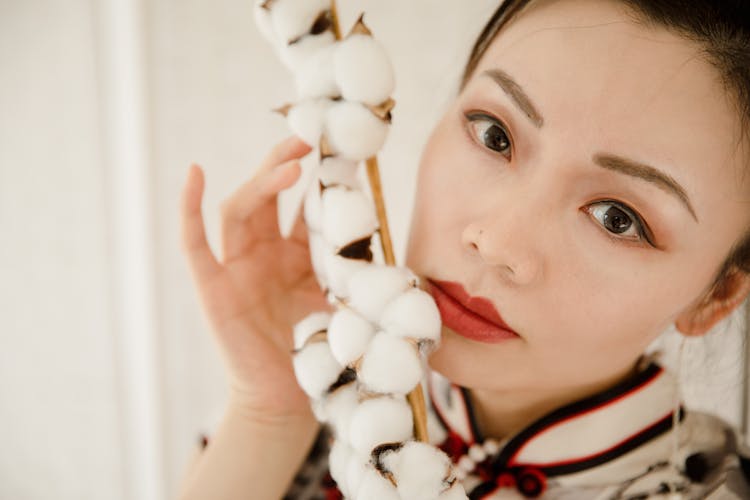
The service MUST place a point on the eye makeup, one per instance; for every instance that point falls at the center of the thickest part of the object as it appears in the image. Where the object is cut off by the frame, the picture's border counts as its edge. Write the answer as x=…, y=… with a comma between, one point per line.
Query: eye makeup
x=489, y=133
x=644, y=235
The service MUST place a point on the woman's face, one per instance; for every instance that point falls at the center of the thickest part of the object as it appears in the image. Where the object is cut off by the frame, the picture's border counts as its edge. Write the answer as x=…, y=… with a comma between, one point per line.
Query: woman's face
x=527, y=195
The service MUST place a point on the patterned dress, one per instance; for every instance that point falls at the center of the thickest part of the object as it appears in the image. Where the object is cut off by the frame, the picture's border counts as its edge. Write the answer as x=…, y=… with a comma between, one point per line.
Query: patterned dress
x=615, y=445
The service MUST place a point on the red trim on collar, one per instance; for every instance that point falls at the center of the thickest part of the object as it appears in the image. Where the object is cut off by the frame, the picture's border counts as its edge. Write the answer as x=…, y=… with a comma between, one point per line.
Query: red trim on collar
x=654, y=378
x=667, y=417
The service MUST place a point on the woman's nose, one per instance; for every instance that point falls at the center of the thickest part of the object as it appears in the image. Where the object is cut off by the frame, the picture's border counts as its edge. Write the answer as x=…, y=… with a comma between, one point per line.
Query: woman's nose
x=504, y=248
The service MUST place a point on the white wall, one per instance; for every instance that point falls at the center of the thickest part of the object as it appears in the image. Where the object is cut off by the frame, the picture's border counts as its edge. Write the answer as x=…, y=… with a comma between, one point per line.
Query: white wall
x=107, y=371
x=59, y=410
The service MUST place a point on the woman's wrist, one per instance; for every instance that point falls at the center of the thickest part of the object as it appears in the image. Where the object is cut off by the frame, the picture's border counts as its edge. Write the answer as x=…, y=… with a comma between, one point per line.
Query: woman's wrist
x=268, y=416
x=252, y=454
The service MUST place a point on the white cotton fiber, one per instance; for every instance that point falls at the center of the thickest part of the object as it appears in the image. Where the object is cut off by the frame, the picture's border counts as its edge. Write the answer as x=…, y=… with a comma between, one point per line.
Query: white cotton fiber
x=355, y=473
x=312, y=323
x=348, y=215
x=313, y=212
x=295, y=55
x=318, y=252
x=354, y=131
x=390, y=365
x=316, y=369
x=348, y=335
x=455, y=492
x=314, y=76
x=335, y=170
x=372, y=288
x=318, y=410
x=338, y=461
x=292, y=19
x=306, y=119
x=363, y=70
x=264, y=23
x=378, y=421
x=338, y=272
x=375, y=487
x=419, y=469
x=412, y=314
x=339, y=408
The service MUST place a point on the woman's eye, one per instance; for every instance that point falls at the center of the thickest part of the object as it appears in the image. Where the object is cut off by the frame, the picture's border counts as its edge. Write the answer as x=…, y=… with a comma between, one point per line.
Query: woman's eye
x=618, y=219
x=488, y=131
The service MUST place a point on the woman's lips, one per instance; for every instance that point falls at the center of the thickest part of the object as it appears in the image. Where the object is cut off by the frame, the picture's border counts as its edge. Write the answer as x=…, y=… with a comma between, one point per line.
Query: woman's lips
x=472, y=317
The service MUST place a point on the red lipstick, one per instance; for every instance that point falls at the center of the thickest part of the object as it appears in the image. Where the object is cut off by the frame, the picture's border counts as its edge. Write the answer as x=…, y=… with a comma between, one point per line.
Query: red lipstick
x=472, y=317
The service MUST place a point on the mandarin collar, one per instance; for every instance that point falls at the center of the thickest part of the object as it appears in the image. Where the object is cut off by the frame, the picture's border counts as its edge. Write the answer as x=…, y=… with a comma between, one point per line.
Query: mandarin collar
x=575, y=437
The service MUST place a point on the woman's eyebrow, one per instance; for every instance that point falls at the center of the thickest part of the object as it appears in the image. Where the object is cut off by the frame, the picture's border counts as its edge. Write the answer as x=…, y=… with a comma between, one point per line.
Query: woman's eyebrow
x=646, y=172
x=516, y=93
x=605, y=160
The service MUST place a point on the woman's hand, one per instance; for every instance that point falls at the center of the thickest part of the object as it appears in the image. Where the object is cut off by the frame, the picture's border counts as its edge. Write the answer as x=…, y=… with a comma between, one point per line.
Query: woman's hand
x=262, y=285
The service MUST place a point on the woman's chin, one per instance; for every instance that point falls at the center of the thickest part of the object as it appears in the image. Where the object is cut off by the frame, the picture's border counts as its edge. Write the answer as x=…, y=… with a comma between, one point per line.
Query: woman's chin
x=454, y=359
x=473, y=364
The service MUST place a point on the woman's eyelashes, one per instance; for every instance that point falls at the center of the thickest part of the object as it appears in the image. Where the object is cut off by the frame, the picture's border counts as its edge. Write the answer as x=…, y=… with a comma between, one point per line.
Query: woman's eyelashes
x=621, y=223
x=489, y=132
x=618, y=219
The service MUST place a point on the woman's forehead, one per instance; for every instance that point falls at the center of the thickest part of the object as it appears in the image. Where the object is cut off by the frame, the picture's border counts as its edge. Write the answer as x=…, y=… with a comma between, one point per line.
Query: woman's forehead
x=603, y=81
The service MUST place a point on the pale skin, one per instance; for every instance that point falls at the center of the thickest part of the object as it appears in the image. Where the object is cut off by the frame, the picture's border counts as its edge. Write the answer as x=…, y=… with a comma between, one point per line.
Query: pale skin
x=516, y=231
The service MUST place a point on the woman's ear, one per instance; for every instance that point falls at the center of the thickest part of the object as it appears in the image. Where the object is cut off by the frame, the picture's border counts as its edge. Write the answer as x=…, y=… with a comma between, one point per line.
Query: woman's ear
x=722, y=300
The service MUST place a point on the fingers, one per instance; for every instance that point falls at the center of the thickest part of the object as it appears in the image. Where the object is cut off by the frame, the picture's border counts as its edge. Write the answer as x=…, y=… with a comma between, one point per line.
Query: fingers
x=257, y=191
x=251, y=212
x=290, y=148
x=201, y=259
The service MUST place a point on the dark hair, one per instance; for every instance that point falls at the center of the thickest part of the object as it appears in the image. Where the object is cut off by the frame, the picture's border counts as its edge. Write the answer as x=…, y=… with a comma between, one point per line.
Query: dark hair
x=720, y=27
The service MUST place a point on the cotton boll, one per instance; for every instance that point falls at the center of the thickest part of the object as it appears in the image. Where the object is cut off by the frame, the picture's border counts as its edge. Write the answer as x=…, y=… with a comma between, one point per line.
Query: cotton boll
x=318, y=252
x=363, y=70
x=455, y=492
x=307, y=118
x=378, y=421
x=314, y=76
x=390, y=365
x=419, y=469
x=413, y=314
x=292, y=19
x=372, y=288
x=318, y=410
x=348, y=215
x=354, y=131
x=313, y=211
x=338, y=461
x=309, y=325
x=348, y=335
x=293, y=56
x=264, y=23
x=336, y=170
x=355, y=473
x=339, y=408
x=316, y=369
x=338, y=272
x=375, y=487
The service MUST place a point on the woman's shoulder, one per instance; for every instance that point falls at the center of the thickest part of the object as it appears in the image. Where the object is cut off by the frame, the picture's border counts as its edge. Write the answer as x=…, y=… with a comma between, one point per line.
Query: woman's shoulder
x=712, y=463
x=715, y=457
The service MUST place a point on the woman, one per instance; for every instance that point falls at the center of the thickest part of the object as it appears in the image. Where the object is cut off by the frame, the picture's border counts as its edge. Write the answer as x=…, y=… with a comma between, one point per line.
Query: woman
x=587, y=189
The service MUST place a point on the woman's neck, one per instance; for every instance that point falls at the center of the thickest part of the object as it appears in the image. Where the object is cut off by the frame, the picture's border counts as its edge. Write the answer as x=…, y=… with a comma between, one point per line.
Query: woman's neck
x=502, y=414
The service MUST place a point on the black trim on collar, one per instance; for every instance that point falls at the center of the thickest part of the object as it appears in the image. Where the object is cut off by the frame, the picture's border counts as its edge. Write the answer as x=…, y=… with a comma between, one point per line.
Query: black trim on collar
x=471, y=413
x=570, y=410
x=443, y=421
x=646, y=435
x=482, y=490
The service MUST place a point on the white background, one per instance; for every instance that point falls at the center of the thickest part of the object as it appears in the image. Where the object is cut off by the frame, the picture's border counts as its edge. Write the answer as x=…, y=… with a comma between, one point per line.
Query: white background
x=107, y=371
